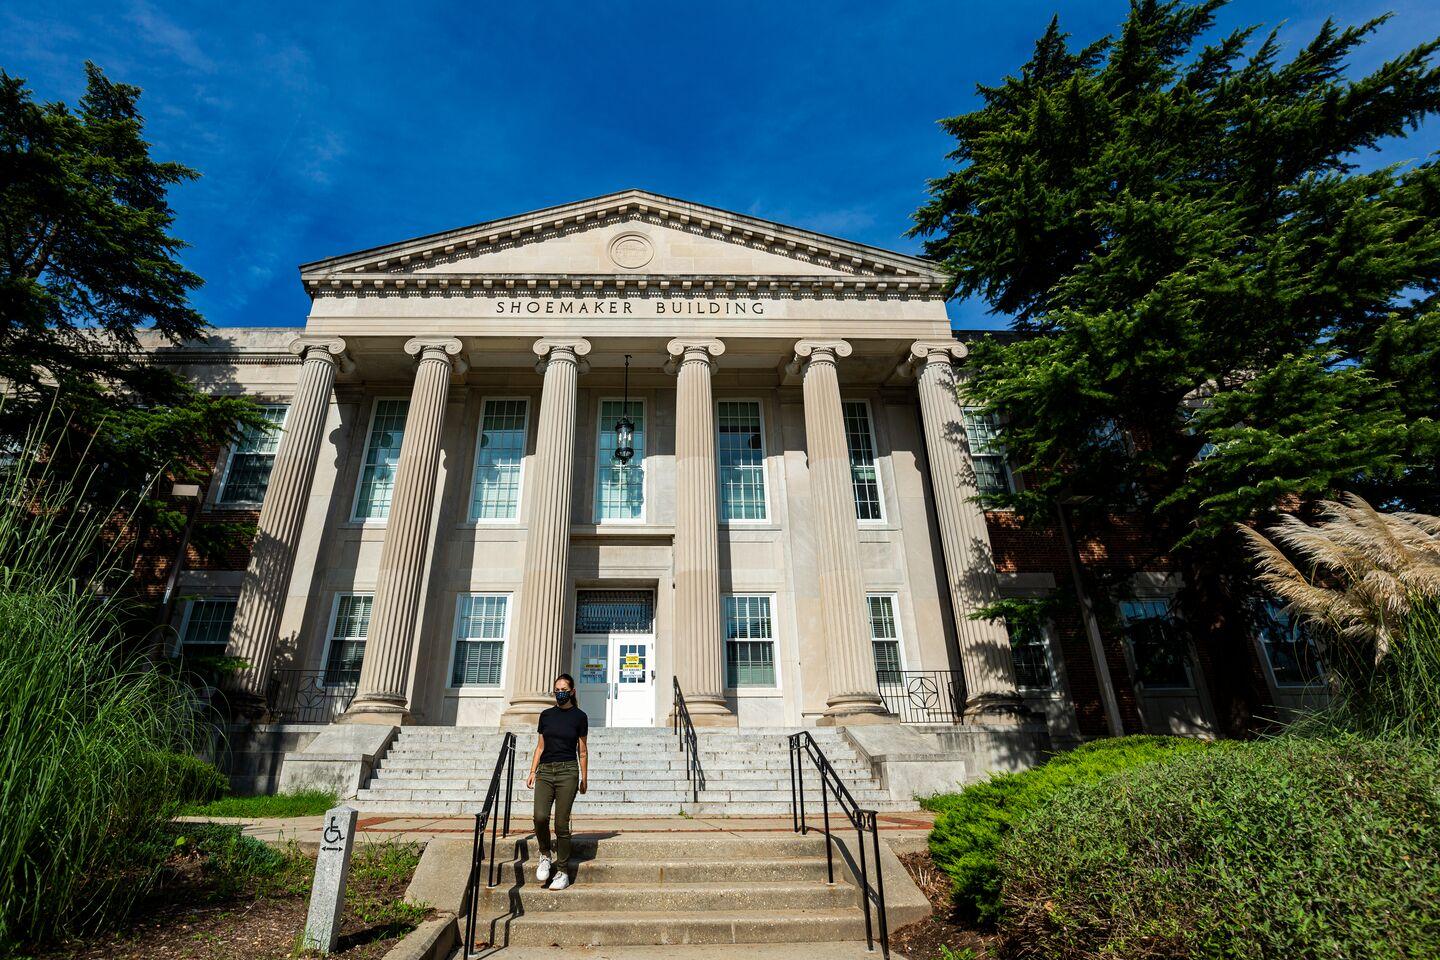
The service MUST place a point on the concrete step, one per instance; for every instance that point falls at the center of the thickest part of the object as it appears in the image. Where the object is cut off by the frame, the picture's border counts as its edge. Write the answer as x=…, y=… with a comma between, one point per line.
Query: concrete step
x=598, y=789
x=584, y=928
x=685, y=847
x=729, y=808
x=617, y=753
x=677, y=897
x=385, y=791
x=745, y=774
x=790, y=870
x=403, y=780
x=623, y=733
x=440, y=758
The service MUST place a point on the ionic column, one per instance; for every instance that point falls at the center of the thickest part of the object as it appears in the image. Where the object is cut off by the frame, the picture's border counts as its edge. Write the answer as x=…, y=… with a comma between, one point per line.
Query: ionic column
x=850, y=663
x=699, y=646
x=256, y=628
x=382, y=695
x=542, y=643
x=990, y=690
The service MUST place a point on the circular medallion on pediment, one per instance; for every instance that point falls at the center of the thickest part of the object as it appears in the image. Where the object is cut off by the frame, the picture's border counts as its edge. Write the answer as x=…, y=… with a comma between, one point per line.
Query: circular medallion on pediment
x=631, y=251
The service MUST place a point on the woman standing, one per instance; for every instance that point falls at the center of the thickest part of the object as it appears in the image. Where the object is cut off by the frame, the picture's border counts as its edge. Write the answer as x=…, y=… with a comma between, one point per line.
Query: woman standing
x=559, y=765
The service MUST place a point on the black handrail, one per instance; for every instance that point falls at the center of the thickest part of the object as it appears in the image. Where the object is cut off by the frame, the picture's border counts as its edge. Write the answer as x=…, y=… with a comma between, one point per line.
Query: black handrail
x=689, y=744
x=505, y=763
x=801, y=745
x=308, y=696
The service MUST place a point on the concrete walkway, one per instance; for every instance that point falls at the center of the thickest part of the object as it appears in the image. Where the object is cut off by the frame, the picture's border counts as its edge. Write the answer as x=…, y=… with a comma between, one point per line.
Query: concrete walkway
x=905, y=832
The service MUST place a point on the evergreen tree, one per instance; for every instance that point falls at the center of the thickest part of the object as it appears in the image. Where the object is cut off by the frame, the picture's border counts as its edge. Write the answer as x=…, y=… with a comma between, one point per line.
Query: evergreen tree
x=1216, y=311
x=87, y=260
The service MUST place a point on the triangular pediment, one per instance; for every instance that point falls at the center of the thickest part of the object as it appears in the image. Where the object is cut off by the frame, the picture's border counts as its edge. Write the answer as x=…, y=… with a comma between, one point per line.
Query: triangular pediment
x=632, y=233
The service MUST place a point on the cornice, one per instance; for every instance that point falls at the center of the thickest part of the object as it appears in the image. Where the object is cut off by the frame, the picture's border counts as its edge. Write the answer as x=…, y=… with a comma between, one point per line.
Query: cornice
x=569, y=284
x=845, y=256
x=267, y=358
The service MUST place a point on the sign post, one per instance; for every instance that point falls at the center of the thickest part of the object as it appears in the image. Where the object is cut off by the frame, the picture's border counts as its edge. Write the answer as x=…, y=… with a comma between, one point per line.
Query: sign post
x=332, y=869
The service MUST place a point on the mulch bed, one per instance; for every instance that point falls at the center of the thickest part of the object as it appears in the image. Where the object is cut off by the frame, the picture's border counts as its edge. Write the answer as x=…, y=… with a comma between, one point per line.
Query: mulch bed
x=923, y=940
x=189, y=920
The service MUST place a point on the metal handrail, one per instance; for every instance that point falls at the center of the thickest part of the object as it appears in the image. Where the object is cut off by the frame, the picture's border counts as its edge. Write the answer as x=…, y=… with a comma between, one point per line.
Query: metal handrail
x=505, y=763
x=802, y=744
x=689, y=744
x=923, y=696
x=306, y=696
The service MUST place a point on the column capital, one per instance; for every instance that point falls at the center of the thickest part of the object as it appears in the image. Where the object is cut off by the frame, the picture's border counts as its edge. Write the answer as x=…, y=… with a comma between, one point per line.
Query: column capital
x=684, y=349
x=564, y=349
x=933, y=351
x=818, y=351
x=445, y=349
x=328, y=349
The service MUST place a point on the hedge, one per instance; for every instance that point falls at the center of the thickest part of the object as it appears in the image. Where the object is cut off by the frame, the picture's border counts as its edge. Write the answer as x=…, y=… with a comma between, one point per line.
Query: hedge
x=1286, y=848
x=972, y=823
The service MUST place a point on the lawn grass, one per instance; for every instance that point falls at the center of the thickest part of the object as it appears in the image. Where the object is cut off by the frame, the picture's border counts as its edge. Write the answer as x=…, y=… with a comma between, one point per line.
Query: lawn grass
x=308, y=803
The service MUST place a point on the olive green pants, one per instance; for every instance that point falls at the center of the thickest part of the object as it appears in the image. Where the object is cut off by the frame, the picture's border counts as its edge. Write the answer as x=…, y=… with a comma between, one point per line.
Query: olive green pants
x=555, y=783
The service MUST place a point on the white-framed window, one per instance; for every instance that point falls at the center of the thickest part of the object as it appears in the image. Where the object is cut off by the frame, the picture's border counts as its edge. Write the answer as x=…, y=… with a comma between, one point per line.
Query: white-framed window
x=345, y=640
x=982, y=432
x=620, y=488
x=740, y=460
x=499, y=458
x=1030, y=656
x=1290, y=650
x=205, y=626
x=885, y=637
x=247, y=472
x=749, y=641
x=382, y=457
x=864, y=473
x=482, y=625
x=1157, y=644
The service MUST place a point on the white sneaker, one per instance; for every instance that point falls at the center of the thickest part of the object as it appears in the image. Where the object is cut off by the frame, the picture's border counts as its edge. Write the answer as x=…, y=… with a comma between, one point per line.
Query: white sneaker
x=542, y=870
x=562, y=880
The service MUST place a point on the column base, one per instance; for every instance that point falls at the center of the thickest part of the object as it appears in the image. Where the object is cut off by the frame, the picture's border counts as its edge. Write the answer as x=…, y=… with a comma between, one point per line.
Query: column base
x=524, y=712
x=378, y=710
x=998, y=709
x=845, y=711
x=708, y=710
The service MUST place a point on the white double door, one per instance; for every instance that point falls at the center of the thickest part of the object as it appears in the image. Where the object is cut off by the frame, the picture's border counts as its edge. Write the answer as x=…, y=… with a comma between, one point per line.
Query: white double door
x=614, y=657
x=615, y=676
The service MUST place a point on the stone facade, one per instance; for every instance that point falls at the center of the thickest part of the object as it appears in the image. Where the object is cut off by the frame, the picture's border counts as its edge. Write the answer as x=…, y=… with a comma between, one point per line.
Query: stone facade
x=803, y=443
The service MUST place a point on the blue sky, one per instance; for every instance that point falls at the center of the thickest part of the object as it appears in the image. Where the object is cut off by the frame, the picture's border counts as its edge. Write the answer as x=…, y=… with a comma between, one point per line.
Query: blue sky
x=323, y=128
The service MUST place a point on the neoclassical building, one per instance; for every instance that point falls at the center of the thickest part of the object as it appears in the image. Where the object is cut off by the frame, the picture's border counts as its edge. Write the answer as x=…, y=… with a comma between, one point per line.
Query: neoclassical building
x=645, y=442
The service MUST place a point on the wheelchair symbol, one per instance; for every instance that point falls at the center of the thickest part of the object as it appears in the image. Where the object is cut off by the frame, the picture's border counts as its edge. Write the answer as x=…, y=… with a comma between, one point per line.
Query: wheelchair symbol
x=332, y=831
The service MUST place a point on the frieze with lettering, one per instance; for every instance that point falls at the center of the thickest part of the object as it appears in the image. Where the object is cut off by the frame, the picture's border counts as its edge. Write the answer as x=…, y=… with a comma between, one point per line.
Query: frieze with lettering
x=627, y=307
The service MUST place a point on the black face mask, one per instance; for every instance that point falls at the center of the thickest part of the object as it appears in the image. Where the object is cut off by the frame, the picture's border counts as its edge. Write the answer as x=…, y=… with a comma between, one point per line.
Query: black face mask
x=562, y=697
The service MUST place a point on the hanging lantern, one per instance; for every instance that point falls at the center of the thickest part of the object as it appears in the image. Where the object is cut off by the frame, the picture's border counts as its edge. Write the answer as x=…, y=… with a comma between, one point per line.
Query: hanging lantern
x=625, y=427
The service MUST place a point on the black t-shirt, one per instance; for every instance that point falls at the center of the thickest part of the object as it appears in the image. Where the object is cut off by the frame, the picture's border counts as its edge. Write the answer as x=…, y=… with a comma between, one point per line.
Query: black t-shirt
x=562, y=729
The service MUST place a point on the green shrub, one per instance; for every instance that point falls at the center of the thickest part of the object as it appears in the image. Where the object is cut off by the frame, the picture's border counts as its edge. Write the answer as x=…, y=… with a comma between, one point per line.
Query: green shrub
x=197, y=780
x=234, y=864
x=307, y=803
x=972, y=823
x=83, y=803
x=1397, y=699
x=1288, y=848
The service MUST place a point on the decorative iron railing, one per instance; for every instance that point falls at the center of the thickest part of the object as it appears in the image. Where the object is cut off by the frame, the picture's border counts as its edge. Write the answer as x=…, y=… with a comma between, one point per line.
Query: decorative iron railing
x=803, y=747
x=304, y=696
x=689, y=744
x=923, y=696
x=498, y=821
